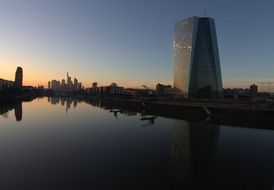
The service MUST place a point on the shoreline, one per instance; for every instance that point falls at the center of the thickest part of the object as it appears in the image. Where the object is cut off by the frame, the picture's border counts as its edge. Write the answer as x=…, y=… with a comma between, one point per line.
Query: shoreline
x=249, y=117
x=215, y=112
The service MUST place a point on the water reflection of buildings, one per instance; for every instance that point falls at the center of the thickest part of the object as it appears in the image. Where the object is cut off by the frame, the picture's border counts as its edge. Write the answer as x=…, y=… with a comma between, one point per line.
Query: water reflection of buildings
x=18, y=110
x=113, y=108
x=147, y=119
x=193, y=153
x=205, y=156
x=64, y=101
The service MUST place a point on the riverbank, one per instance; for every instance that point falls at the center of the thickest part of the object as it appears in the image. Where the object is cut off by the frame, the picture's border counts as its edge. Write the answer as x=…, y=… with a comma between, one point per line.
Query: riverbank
x=235, y=114
x=23, y=95
x=222, y=112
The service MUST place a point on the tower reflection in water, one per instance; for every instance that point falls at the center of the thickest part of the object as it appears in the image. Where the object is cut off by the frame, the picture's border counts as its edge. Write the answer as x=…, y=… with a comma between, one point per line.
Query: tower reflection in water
x=193, y=153
x=18, y=110
x=221, y=157
x=64, y=101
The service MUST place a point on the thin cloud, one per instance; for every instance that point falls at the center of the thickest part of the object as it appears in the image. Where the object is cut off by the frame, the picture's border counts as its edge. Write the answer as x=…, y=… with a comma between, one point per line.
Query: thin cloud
x=229, y=18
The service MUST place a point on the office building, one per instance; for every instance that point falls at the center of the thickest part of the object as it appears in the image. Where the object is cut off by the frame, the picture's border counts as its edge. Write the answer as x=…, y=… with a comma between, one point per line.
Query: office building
x=62, y=86
x=164, y=90
x=55, y=85
x=197, y=71
x=94, y=90
x=6, y=84
x=69, y=83
x=253, y=90
x=19, y=77
x=75, y=84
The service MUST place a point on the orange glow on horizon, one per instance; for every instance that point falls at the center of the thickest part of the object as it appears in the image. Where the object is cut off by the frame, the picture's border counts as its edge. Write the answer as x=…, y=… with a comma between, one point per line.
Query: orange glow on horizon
x=39, y=72
x=30, y=78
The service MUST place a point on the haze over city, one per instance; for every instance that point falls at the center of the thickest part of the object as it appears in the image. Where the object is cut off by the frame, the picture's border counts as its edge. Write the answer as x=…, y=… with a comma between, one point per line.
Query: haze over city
x=129, y=42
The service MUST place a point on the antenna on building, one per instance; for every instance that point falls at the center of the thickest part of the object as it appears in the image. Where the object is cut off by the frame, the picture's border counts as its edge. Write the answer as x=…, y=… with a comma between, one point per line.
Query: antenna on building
x=205, y=13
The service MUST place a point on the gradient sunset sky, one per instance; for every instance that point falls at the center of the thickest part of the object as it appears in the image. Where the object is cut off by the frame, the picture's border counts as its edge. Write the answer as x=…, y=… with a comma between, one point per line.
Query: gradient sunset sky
x=129, y=41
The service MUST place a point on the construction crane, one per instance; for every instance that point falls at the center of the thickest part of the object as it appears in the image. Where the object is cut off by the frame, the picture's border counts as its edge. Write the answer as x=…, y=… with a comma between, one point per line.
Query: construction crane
x=149, y=90
x=145, y=86
x=268, y=83
x=262, y=83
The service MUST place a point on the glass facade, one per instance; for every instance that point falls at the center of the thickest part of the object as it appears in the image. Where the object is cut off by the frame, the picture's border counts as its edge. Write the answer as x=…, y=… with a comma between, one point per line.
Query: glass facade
x=197, y=70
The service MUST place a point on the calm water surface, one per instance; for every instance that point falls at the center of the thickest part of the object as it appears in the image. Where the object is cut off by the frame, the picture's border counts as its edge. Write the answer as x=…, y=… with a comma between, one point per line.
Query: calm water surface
x=52, y=143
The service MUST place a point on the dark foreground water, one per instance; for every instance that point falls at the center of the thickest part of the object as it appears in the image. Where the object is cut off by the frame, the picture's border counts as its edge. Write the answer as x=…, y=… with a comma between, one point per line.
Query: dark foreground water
x=65, y=144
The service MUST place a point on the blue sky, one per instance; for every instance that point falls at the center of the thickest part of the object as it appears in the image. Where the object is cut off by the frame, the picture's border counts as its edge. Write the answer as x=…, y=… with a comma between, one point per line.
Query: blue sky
x=129, y=41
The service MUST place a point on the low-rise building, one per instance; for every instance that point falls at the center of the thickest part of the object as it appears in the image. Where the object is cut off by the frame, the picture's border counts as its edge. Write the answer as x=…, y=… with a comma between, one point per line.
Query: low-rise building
x=253, y=90
x=110, y=90
x=94, y=90
x=6, y=84
x=236, y=93
x=164, y=90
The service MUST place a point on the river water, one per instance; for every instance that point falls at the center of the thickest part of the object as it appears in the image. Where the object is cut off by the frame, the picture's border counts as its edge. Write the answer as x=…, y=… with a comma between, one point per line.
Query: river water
x=53, y=143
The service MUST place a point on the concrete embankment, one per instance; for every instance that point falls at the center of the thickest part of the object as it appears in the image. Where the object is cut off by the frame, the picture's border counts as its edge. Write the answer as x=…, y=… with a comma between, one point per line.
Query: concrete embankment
x=223, y=114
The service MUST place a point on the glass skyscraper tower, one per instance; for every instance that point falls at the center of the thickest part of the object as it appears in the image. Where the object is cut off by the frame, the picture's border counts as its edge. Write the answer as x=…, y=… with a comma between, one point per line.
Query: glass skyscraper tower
x=197, y=71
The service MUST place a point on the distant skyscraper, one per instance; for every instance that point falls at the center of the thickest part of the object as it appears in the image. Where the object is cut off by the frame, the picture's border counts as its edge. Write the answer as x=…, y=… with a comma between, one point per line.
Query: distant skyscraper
x=55, y=85
x=69, y=83
x=94, y=89
x=94, y=84
x=75, y=85
x=19, y=77
x=197, y=71
x=63, y=85
x=253, y=90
